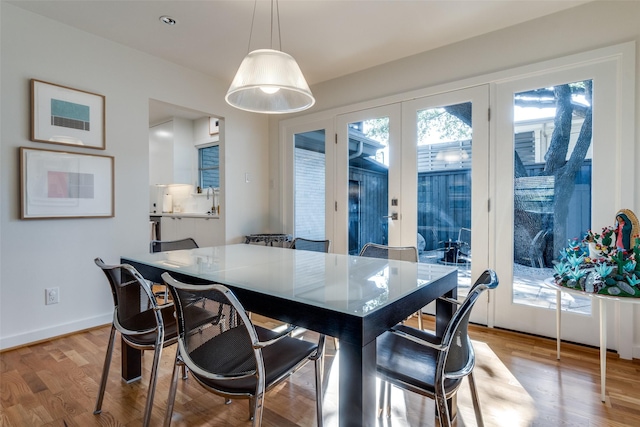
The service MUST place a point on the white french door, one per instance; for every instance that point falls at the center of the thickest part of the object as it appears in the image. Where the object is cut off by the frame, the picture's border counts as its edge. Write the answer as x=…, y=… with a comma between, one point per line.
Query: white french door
x=445, y=182
x=368, y=179
x=539, y=206
x=307, y=179
x=416, y=174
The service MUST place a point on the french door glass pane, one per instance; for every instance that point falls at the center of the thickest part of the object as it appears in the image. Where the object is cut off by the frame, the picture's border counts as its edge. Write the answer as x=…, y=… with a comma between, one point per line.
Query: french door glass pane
x=552, y=187
x=309, y=194
x=444, y=187
x=368, y=182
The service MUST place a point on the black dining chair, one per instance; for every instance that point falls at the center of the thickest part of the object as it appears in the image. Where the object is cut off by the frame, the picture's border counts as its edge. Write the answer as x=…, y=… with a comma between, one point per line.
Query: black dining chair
x=165, y=246
x=236, y=359
x=432, y=366
x=173, y=245
x=300, y=243
x=400, y=253
x=150, y=329
x=311, y=245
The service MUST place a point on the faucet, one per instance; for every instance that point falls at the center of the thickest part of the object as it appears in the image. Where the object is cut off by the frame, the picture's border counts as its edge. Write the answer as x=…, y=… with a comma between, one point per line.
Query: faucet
x=213, y=202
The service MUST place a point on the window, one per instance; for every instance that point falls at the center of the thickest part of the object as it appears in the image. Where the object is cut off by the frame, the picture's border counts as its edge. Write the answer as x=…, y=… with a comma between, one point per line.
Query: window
x=309, y=197
x=209, y=166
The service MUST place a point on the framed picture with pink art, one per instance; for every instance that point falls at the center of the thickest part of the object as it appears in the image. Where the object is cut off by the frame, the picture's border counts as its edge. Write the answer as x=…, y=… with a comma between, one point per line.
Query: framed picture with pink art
x=57, y=184
x=67, y=116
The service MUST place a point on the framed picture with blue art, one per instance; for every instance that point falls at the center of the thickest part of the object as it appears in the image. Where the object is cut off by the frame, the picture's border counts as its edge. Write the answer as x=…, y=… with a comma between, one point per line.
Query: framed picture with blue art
x=58, y=184
x=62, y=115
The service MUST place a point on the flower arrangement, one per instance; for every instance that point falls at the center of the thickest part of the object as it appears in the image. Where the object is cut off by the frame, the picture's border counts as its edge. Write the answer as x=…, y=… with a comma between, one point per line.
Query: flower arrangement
x=606, y=263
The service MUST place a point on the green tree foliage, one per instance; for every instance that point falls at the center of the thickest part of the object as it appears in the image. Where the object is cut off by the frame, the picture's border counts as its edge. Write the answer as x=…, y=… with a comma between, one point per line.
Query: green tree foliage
x=433, y=124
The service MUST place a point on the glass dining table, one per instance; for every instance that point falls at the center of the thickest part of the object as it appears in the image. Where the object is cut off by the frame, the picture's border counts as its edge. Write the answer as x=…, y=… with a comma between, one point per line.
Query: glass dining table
x=352, y=298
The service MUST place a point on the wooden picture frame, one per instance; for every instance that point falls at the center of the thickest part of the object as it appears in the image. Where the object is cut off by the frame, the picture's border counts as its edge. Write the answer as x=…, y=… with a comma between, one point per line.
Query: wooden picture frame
x=62, y=115
x=58, y=184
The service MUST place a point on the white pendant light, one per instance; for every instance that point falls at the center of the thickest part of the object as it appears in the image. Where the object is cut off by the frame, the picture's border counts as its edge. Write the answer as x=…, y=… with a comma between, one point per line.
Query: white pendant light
x=269, y=81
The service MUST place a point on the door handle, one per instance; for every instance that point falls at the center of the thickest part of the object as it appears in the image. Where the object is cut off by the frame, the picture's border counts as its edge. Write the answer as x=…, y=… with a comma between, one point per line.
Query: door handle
x=393, y=216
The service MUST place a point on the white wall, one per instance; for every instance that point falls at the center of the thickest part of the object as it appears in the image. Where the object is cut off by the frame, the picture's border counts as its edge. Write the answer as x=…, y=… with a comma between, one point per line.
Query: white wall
x=587, y=27
x=43, y=253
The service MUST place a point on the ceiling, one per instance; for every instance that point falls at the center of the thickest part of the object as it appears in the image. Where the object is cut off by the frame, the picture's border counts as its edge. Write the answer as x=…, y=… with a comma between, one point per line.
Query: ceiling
x=328, y=38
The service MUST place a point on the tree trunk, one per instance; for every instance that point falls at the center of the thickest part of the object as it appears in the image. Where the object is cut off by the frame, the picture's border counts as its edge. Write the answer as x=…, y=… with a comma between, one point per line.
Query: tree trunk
x=566, y=178
x=557, y=154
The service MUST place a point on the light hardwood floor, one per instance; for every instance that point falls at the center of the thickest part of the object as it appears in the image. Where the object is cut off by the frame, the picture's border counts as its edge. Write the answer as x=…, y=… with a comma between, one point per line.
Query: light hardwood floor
x=521, y=383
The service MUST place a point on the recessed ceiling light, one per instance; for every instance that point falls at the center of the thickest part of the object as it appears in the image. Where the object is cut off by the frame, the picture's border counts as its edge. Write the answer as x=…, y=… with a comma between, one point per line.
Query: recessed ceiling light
x=168, y=20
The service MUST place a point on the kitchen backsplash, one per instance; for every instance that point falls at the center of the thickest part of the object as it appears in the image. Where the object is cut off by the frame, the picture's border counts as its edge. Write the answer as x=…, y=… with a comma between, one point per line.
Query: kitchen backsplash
x=183, y=199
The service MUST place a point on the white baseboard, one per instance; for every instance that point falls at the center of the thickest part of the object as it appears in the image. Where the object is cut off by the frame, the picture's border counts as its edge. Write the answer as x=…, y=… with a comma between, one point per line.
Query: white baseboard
x=54, y=331
x=636, y=352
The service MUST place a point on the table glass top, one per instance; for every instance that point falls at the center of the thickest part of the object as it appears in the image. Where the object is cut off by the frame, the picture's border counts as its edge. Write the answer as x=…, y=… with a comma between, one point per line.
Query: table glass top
x=343, y=283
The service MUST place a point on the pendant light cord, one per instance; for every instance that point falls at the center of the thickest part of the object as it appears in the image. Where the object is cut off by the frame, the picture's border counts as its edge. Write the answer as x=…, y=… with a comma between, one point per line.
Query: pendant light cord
x=278, y=16
x=277, y=12
x=253, y=20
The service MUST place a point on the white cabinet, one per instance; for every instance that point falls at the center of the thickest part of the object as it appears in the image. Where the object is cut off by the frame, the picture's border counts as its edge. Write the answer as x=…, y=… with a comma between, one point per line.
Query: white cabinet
x=205, y=231
x=174, y=228
x=172, y=158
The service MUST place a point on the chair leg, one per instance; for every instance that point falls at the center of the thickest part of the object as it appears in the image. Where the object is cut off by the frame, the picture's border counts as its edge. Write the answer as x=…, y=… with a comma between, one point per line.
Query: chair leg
x=419, y=314
x=258, y=402
x=157, y=353
x=476, y=402
x=319, y=369
x=442, y=410
x=388, y=399
x=105, y=371
x=185, y=370
x=381, y=399
x=172, y=391
x=252, y=407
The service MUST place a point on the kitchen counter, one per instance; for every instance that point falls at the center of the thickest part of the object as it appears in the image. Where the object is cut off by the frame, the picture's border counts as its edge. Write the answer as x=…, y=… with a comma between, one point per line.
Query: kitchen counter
x=185, y=215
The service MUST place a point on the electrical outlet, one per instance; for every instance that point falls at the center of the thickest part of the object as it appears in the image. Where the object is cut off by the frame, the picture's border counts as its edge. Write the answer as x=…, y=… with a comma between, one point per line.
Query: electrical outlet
x=52, y=295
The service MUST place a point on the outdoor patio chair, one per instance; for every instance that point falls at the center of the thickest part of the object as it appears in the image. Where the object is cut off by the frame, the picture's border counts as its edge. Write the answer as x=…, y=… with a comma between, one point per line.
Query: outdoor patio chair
x=464, y=246
x=236, y=359
x=432, y=366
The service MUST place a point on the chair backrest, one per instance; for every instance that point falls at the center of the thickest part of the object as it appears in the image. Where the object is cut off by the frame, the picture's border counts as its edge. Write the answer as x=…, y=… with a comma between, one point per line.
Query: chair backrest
x=400, y=253
x=173, y=245
x=311, y=245
x=217, y=351
x=130, y=292
x=464, y=240
x=459, y=359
